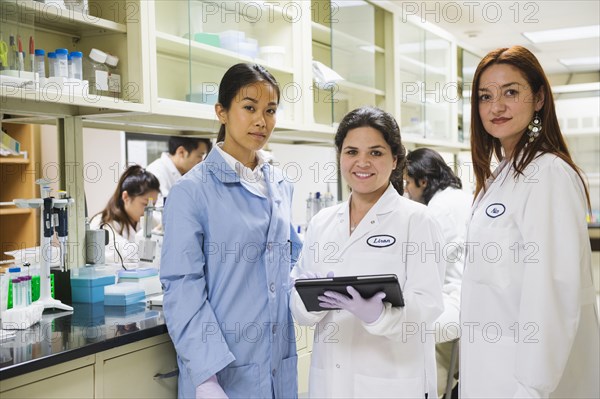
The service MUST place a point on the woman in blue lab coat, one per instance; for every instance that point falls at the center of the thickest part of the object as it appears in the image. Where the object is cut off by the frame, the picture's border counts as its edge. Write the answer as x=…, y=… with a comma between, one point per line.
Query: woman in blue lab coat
x=228, y=250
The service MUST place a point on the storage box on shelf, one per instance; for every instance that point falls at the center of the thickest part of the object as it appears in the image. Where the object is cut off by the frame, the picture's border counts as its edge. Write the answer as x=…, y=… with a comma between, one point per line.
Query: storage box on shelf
x=18, y=226
x=112, y=26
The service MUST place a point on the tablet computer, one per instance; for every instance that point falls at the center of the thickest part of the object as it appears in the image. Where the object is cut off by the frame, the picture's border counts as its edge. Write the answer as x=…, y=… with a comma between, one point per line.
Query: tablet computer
x=367, y=286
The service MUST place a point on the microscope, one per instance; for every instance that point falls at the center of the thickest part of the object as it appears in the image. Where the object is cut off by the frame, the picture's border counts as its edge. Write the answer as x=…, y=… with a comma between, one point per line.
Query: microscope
x=147, y=246
x=54, y=218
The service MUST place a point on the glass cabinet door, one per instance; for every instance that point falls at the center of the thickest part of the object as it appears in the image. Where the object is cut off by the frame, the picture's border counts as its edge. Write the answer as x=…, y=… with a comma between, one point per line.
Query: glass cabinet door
x=197, y=41
x=426, y=89
x=468, y=62
x=348, y=37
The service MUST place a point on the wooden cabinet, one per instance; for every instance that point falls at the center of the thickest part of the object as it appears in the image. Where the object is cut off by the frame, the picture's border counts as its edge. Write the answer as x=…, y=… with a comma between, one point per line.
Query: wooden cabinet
x=19, y=228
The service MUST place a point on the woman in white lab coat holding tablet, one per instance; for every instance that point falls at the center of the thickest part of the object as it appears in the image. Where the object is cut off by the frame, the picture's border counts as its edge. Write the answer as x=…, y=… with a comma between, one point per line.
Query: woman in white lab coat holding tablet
x=528, y=314
x=369, y=348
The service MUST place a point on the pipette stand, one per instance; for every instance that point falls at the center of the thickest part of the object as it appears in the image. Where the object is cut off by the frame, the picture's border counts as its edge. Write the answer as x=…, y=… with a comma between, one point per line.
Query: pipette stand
x=45, y=251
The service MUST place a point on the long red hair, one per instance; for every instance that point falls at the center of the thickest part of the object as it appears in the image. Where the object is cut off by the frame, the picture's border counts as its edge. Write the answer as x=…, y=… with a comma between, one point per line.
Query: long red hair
x=551, y=140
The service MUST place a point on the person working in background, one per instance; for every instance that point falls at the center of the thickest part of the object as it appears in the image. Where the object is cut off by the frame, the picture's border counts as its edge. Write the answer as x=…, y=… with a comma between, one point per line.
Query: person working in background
x=122, y=214
x=430, y=181
x=371, y=353
x=528, y=305
x=229, y=247
x=184, y=153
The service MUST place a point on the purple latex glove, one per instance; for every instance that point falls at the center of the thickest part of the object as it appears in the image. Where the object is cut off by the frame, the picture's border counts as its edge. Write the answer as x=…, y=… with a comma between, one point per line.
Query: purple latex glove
x=210, y=389
x=368, y=310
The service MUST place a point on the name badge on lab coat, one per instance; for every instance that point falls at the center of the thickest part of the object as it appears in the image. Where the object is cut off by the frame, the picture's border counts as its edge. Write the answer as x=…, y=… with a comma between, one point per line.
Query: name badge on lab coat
x=381, y=241
x=495, y=210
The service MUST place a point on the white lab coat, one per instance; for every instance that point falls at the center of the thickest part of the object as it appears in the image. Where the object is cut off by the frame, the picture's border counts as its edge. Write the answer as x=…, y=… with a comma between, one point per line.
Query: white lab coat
x=394, y=356
x=451, y=208
x=528, y=311
x=167, y=174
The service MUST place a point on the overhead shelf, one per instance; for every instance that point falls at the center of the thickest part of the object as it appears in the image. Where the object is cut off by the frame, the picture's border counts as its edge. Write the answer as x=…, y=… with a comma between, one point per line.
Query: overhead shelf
x=183, y=48
x=55, y=103
x=322, y=34
x=54, y=18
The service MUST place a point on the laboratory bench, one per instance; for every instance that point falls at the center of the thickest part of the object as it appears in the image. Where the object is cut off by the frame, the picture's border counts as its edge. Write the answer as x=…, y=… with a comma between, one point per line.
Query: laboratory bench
x=95, y=351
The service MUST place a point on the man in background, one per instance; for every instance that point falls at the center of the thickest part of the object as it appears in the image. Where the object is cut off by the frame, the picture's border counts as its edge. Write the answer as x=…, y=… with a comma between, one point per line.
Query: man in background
x=184, y=153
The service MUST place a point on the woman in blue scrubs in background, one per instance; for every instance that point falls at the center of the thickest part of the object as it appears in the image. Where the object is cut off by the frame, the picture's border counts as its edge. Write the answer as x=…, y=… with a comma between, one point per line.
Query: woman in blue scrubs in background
x=228, y=249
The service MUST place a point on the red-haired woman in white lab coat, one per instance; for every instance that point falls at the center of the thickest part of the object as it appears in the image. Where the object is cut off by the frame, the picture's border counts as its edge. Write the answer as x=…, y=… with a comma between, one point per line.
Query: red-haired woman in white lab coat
x=528, y=312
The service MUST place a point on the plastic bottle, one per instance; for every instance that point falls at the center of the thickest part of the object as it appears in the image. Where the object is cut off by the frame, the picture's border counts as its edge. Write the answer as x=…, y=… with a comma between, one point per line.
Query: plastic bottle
x=114, y=76
x=27, y=290
x=77, y=64
x=309, y=208
x=70, y=67
x=16, y=292
x=40, y=63
x=95, y=72
x=62, y=63
x=51, y=65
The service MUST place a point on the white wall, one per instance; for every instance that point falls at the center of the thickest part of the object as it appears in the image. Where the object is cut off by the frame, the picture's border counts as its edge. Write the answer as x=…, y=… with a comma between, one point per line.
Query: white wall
x=310, y=169
x=104, y=161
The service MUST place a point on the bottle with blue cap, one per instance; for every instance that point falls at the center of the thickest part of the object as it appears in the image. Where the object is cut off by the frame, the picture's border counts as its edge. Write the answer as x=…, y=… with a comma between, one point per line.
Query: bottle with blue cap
x=51, y=64
x=62, y=63
x=39, y=63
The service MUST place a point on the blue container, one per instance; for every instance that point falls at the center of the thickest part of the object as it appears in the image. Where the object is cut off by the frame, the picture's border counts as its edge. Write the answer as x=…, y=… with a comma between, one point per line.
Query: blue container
x=89, y=289
x=124, y=294
x=125, y=300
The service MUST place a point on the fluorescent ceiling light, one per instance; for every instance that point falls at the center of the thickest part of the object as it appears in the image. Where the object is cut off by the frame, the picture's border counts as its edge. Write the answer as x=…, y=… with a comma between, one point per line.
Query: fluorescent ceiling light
x=557, y=35
x=580, y=61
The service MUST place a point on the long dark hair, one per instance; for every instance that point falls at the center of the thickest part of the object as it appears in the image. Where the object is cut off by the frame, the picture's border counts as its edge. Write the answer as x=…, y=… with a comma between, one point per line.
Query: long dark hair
x=550, y=140
x=235, y=78
x=383, y=122
x=425, y=163
x=136, y=181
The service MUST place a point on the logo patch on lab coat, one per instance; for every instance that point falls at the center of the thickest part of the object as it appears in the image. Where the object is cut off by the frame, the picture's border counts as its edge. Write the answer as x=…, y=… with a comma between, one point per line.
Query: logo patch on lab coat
x=495, y=210
x=381, y=241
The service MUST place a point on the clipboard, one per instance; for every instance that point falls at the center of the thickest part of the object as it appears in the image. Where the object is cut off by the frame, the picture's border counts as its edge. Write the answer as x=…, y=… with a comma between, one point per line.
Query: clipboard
x=367, y=286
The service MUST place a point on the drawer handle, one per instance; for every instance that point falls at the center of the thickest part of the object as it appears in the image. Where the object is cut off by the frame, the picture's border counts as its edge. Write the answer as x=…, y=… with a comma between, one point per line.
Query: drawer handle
x=170, y=374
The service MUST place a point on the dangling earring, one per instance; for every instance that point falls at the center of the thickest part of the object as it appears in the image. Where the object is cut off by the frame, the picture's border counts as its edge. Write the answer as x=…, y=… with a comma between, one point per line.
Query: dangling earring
x=535, y=127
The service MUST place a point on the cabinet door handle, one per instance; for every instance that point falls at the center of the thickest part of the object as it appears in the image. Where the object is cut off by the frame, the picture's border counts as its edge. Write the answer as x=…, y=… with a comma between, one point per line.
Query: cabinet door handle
x=170, y=374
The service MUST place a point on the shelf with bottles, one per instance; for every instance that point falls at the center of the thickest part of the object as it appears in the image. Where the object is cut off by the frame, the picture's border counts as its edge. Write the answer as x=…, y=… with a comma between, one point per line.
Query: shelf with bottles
x=111, y=26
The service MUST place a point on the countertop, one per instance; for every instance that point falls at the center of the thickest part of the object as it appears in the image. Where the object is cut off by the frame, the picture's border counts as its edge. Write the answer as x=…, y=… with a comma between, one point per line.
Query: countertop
x=88, y=329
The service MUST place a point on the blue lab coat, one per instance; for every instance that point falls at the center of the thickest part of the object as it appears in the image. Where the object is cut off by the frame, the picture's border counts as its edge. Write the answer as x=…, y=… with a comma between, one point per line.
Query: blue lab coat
x=225, y=267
